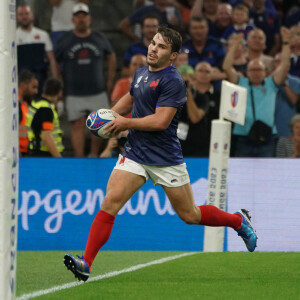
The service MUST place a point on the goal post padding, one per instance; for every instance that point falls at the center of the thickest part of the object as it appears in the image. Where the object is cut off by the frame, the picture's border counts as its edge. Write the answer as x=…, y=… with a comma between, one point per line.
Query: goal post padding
x=9, y=149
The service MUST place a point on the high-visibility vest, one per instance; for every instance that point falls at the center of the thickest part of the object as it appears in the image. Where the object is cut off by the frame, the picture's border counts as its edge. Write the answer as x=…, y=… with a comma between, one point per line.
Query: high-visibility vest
x=23, y=129
x=57, y=132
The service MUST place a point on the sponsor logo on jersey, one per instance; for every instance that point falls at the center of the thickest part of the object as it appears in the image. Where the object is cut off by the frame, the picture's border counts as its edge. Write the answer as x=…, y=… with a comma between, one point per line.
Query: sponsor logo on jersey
x=154, y=84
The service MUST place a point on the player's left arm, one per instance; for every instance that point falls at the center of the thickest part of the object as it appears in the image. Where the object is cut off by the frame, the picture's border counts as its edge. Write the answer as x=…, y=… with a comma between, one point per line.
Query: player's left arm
x=158, y=121
x=124, y=105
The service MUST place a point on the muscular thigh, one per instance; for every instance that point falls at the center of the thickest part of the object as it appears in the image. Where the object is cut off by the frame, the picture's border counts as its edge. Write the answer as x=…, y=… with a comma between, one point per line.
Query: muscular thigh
x=120, y=187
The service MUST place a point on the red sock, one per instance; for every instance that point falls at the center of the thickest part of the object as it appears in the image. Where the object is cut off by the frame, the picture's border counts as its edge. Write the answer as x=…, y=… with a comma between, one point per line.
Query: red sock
x=99, y=235
x=213, y=216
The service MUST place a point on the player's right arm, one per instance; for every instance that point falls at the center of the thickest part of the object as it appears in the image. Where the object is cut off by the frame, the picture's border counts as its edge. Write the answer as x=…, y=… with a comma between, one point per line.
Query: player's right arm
x=124, y=105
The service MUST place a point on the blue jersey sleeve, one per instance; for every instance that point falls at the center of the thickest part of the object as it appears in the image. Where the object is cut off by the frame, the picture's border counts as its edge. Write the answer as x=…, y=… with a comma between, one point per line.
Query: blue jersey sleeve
x=172, y=93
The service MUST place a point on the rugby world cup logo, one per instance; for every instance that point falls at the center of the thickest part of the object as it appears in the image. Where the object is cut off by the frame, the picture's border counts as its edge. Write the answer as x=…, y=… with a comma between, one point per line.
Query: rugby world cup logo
x=234, y=98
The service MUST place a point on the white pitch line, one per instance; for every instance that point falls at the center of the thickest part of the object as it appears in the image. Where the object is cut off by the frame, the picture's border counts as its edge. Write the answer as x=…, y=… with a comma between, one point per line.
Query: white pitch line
x=100, y=277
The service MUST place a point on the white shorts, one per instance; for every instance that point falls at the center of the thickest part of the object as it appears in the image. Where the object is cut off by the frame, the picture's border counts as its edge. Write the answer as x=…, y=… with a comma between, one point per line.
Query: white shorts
x=170, y=176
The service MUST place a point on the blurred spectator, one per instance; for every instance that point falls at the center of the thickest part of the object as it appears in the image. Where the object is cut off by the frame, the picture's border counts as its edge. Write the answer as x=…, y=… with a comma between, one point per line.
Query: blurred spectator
x=239, y=59
x=269, y=23
x=169, y=15
x=261, y=97
x=295, y=49
x=249, y=3
x=27, y=90
x=45, y=134
x=207, y=9
x=200, y=47
x=286, y=104
x=122, y=86
x=293, y=19
x=223, y=20
x=240, y=18
x=290, y=146
x=201, y=108
x=149, y=28
x=61, y=18
x=185, y=8
x=256, y=45
x=181, y=59
x=83, y=53
x=34, y=47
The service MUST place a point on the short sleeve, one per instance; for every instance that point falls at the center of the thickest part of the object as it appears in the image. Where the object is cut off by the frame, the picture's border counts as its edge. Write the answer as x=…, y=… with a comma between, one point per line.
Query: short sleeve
x=48, y=43
x=172, y=93
x=42, y=120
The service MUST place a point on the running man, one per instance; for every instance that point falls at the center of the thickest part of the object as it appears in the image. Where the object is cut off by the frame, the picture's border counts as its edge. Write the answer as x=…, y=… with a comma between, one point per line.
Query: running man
x=153, y=151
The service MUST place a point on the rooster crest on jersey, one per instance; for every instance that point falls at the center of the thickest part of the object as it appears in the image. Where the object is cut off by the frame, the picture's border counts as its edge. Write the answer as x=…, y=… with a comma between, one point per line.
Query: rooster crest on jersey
x=97, y=120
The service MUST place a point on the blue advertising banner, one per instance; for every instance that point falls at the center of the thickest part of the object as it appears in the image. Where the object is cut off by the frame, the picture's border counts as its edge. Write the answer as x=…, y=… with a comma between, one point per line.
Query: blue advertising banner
x=59, y=198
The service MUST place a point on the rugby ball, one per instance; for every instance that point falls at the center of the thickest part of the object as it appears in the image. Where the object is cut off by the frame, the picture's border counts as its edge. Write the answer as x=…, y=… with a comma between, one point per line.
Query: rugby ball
x=97, y=120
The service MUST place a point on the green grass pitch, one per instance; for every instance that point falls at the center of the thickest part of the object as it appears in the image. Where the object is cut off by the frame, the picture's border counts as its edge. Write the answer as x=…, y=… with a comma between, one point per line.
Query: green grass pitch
x=199, y=276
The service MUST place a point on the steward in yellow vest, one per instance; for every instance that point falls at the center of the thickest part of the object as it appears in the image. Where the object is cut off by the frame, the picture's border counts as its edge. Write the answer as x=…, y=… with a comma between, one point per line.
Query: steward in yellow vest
x=45, y=135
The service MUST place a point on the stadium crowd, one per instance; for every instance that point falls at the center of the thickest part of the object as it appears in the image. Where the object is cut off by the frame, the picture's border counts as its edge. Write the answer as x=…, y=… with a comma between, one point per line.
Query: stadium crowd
x=73, y=71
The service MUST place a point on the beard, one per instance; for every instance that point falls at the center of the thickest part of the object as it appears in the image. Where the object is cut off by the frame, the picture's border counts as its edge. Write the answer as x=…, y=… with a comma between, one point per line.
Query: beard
x=152, y=64
x=28, y=98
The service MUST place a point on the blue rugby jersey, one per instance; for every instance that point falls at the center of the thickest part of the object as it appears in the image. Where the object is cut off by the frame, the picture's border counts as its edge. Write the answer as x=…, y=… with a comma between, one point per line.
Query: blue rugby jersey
x=151, y=90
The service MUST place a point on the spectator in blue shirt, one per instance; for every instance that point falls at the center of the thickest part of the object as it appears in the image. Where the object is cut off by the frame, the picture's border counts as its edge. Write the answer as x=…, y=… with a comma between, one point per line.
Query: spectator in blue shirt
x=203, y=48
x=149, y=28
x=223, y=20
x=269, y=23
x=261, y=99
x=240, y=18
x=167, y=15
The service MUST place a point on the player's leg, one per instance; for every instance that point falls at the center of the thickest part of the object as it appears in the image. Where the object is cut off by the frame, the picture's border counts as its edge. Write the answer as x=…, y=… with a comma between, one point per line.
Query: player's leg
x=181, y=198
x=121, y=186
x=182, y=201
x=176, y=183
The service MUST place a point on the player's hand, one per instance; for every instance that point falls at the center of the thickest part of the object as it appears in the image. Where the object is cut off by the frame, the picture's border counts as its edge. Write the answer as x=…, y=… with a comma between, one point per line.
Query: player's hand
x=117, y=125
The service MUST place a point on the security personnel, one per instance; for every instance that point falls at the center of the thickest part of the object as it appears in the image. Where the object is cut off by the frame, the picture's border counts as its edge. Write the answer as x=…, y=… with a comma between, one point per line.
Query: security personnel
x=45, y=135
x=27, y=90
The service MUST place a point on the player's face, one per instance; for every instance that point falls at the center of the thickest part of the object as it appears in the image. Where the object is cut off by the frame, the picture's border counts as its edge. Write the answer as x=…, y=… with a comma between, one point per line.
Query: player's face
x=159, y=54
x=24, y=16
x=82, y=22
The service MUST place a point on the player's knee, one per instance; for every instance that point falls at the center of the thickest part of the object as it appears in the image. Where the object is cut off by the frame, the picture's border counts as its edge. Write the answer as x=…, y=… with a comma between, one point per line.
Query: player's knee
x=111, y=204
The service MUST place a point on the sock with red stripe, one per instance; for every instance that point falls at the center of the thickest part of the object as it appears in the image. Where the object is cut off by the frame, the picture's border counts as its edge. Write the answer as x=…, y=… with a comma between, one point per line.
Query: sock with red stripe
x=99, y=235
x=213, y=216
